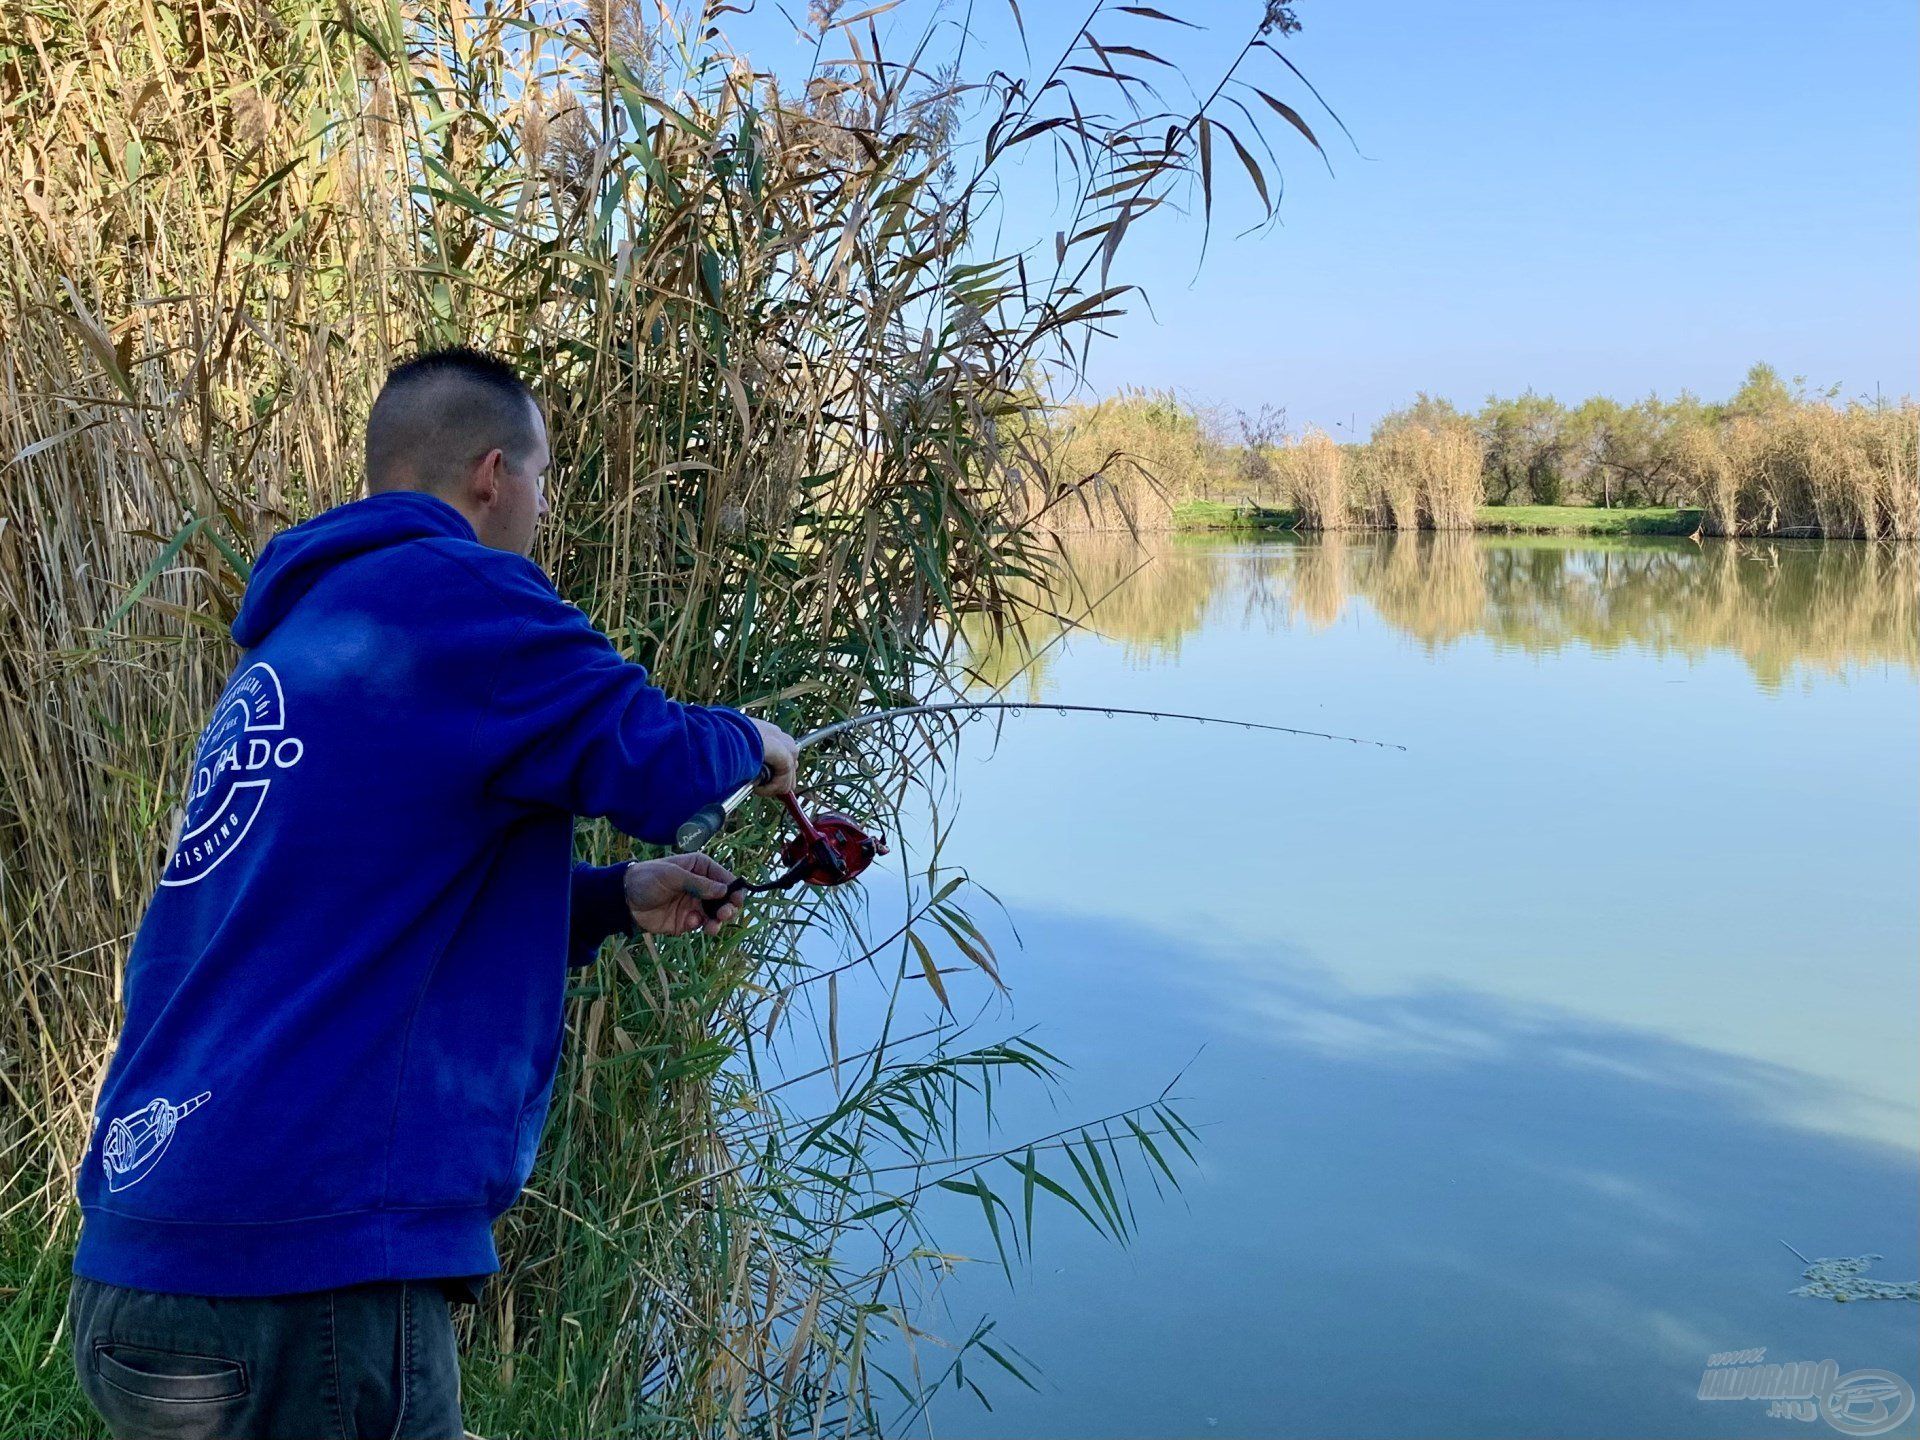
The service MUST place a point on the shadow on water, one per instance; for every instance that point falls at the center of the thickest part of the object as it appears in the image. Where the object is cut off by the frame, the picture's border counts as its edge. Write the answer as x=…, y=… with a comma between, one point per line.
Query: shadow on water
x=1786, y=608
x=1435, y=1213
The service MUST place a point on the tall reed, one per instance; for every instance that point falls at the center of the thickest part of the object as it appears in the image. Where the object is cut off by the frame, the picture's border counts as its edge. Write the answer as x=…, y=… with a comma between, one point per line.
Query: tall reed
x=1812, y=469
x=1313, y=478
x=791, y=394
x=1423, y=476
x=1451, y=486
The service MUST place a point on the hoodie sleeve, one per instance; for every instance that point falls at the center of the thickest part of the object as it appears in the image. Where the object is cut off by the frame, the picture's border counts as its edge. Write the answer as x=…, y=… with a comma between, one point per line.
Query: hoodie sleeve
x=598, y=910
x=574, y=726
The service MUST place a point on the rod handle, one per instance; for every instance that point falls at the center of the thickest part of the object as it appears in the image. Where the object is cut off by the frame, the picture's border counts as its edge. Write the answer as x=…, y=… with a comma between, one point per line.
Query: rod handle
x=710, y=819
x=700, y=827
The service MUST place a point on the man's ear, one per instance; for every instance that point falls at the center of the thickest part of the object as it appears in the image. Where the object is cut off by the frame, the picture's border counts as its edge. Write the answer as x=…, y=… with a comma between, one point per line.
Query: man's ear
x=486, y=476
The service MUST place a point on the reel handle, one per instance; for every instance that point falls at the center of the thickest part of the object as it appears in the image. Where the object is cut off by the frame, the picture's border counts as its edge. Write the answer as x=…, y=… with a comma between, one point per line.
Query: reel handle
x=738, y=888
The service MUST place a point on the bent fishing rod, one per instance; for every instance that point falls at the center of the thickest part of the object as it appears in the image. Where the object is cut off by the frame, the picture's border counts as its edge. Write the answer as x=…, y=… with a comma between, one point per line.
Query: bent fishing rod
x=830, y=849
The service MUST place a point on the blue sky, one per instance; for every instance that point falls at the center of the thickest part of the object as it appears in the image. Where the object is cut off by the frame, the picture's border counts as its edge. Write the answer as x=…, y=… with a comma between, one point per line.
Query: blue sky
x=1578, y=198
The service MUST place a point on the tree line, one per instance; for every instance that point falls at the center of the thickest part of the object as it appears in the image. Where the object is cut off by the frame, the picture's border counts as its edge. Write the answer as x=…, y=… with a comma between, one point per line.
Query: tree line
x=1774, y=458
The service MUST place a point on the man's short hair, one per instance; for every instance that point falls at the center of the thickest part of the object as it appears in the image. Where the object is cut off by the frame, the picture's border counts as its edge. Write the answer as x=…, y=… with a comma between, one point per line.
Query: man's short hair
x=442, y=410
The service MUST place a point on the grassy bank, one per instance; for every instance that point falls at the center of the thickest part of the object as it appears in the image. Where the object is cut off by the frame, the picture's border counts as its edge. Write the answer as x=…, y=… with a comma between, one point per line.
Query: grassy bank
x=1218, y=515
x=1497, y=519
x=1587, y=520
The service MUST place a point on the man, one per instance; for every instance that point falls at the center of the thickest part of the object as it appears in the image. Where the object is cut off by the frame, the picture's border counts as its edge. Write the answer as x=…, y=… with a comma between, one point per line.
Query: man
x=344, y=1005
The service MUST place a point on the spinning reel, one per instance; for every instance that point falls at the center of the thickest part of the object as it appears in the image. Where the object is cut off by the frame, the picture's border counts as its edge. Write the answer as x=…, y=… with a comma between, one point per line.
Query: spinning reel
x=828, y=849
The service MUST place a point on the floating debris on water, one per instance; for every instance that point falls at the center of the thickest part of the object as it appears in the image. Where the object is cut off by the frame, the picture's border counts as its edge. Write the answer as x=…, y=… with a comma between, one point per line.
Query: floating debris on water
x=1843, y=1280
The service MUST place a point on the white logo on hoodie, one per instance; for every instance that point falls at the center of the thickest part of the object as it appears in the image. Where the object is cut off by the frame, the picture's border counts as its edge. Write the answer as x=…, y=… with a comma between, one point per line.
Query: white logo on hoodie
x=244, y=746
x=134, y=1143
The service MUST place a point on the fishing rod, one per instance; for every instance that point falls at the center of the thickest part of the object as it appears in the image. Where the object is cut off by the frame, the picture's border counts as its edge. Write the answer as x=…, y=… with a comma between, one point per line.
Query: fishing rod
x=829, y=849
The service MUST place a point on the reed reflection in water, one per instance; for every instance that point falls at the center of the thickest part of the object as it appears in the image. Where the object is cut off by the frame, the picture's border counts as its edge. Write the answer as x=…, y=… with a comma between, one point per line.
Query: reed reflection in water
x=1787, y=609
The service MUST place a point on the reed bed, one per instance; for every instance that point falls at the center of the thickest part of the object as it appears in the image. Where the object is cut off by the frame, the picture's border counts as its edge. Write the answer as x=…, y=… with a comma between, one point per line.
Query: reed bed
x=1819, y=469
x=1129, y=459
x=1409, y=476
x=1386, y=484
x=797, y=441
x=1137, y=457
x=1451, y=492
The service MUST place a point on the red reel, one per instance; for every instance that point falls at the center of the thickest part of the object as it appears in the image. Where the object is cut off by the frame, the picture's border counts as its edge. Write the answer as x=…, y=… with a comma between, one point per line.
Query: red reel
x=831, y=849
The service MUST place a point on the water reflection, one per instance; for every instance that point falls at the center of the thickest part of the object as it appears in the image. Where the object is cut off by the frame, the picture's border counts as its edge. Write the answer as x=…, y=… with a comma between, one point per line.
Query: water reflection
x=1787, y=609
x=1520, y=1052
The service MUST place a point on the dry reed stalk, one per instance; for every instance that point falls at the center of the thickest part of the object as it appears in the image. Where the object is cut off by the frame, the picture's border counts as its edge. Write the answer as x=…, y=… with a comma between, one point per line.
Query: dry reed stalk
x=1808, y=469
x=1393, y=474
x=1702, y=455
x=1425, y=476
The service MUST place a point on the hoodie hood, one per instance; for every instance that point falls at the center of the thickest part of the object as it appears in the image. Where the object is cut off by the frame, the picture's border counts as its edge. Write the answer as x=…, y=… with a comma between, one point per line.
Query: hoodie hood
x=296, y=559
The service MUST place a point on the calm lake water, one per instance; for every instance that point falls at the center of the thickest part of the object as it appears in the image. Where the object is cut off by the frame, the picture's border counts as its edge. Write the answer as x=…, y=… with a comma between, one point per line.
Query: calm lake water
x=1517, y=1056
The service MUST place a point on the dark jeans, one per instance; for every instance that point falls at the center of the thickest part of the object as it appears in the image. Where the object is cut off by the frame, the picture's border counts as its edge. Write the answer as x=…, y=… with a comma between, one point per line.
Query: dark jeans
x=370, y=1361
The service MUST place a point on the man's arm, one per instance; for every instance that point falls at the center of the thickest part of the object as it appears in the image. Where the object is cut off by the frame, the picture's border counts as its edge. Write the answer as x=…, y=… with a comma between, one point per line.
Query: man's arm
x=572, y=725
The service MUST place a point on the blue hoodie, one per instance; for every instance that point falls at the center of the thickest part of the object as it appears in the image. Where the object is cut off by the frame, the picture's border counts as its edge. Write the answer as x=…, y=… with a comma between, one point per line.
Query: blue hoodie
x=344, y=1005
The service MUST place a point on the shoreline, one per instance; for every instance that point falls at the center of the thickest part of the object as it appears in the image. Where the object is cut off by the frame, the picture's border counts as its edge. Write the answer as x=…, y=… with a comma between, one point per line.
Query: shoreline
x=1574, y=520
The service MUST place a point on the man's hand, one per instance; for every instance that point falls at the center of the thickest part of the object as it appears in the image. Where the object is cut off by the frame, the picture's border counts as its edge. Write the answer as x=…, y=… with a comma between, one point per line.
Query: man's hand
x=780, y=757
x=666, y=896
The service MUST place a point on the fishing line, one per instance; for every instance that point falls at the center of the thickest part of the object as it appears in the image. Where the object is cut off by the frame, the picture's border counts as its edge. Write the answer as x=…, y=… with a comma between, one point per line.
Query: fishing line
x=813, y=737
x=706, y=822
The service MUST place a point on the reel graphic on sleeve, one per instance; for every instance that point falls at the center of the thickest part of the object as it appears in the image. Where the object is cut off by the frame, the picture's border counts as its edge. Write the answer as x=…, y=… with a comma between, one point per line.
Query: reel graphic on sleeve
x=134, y=1143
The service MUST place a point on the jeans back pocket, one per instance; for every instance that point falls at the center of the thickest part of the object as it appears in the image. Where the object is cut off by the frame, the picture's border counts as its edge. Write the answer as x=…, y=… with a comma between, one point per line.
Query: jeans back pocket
x=167, y=1377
